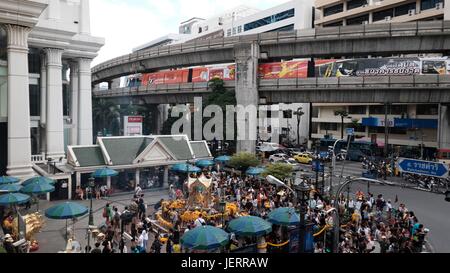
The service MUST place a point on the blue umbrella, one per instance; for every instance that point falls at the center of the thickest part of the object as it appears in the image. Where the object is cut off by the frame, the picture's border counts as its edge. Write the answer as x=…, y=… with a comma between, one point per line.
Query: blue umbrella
x=255, y=171
x=38, y=187
x=6, y=188
x=284, y=217
x=13, y=199
x=205, y=238
x=204, y=163
x=104, y=172
x=250, y=226
x=8, y=180
x=39, y=179
x=223, y=159
x=185, y=168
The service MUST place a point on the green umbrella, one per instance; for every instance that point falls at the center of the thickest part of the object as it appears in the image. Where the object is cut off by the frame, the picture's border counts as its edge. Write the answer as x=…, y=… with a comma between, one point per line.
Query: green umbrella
x=205, y=238
x=6, y=188
x=38, y=187
x=105, y=172
x=8, y=180
x=38, y=179
x=204, y=163
x=13, y=199
x=250, y=226
x=284, y=217
x=68, y=210
x=65, y=211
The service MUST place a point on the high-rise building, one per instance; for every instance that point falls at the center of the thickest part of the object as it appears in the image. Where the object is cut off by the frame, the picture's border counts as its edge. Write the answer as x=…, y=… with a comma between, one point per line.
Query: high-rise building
x=46, y=51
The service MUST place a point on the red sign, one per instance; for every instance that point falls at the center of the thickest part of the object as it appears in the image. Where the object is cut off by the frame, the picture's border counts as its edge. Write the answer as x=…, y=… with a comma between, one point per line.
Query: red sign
x=135, y=119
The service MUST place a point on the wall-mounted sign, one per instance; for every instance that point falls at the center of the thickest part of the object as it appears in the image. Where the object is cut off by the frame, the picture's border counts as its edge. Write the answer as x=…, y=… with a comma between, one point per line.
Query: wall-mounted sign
x=133, y=125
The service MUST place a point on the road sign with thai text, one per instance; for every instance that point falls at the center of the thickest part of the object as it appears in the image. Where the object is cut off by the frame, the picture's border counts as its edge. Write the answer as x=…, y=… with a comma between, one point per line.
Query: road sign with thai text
x=426, y=168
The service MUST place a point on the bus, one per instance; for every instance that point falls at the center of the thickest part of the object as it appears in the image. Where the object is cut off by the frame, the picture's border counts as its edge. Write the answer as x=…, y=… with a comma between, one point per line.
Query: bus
x=358, y=149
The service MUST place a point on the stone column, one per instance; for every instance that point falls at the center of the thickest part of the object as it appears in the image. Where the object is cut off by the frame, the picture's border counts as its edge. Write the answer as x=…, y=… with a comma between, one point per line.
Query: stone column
x=108, y=182
x=447, y=11
x=74, y=102
x=166, y=177
x=138, y=177
x=43, y=138
x=246, y=56
x=69, y=188
x=55, y=118
x=78, y=178
x=85, y=20
x=19, y=142
x=85, y=136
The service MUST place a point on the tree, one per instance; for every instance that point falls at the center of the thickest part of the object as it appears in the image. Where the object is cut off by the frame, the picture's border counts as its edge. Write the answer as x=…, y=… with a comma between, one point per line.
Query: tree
x=243, y=161
x=279, y=170
x=105, y=115
x=343, y=114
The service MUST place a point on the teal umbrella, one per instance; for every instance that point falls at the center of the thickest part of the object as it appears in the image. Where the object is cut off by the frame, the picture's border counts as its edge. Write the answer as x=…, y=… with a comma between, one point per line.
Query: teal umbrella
x=38, y=179
x=255, y=171
x=185, y=168
x=284, y=217
x=250, y=226
x=104, y=172
x=8, y=180
x=204, y=163
x=6, y=188
x=68, y=210
x=223, y=159
x=65, y=211
x=205, y=238
x=13, y=199
x=38, y=187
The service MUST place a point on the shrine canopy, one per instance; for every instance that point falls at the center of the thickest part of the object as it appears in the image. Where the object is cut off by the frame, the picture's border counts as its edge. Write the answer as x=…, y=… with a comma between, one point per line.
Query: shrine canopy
x=203, y=180
x=135, y=152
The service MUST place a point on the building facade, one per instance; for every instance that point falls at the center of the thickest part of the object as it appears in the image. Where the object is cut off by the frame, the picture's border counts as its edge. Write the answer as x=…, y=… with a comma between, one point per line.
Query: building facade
x=45, y=81
x=409, y=125
x=357, y=12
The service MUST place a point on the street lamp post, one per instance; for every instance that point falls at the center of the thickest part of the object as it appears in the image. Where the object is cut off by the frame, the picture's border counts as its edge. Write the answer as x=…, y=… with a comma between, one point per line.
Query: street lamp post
x=337, y=225
x=223, y=206
x=91, y=216
x=302, y=192
x=299, y=113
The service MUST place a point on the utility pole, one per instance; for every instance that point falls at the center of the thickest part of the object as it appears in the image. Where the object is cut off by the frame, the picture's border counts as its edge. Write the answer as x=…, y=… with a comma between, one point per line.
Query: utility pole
x=386, y=131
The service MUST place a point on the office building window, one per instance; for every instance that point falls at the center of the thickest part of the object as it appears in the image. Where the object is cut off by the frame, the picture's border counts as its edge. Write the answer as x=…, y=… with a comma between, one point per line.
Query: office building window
x=429, y=4
x=427, y=109
x=234, y=31
x=335, y=24
x=357, y=110
x=34, y=61
x=355, y=4
x=333, y=10
x=315, y=112
x=315, y=128
x=3, y=41
x=270, y=19
x=206, y=28
x=398, y=109
x=285, y=28
x=381, y=15
x=329, y=126
x=35, y=100
x=376, y=110
x=404, y=9
x=358, y=20
x=66, y=100
x=229, y=32
x=239, y=29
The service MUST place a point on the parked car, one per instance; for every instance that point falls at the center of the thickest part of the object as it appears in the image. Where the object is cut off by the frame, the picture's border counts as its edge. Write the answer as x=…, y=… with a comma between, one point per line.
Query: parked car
x=294, y=151
x=278, y=157
x=304, y=158
x=293, y=163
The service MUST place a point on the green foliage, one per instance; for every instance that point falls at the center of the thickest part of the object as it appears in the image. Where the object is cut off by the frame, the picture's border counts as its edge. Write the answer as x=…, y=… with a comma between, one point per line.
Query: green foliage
x=106, y=115
x=2, y=250
x=243, y=161
x=279, y=170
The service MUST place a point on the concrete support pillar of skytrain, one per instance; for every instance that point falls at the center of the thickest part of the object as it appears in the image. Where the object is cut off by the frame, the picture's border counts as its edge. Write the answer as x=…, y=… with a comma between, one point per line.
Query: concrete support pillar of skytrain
x=247, y=59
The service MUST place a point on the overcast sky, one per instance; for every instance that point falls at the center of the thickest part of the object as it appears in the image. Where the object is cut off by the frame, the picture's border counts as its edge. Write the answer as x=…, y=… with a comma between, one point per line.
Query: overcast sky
x=128, y=24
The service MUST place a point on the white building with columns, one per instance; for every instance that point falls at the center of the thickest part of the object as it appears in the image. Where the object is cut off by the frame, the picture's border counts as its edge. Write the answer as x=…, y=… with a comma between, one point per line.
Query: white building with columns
x=45, y=82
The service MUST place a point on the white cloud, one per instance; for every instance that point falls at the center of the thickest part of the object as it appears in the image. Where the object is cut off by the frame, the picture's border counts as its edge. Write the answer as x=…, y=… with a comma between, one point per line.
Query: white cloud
x=128, y=24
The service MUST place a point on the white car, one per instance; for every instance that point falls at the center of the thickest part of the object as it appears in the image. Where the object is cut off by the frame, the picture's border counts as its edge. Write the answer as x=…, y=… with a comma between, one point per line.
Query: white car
x=293, y=163
x=278, y=157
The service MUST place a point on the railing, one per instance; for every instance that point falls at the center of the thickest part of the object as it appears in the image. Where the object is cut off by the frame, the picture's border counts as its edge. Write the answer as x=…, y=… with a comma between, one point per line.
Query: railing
x=37, y=159
x=383, y=82
x=419, y=28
